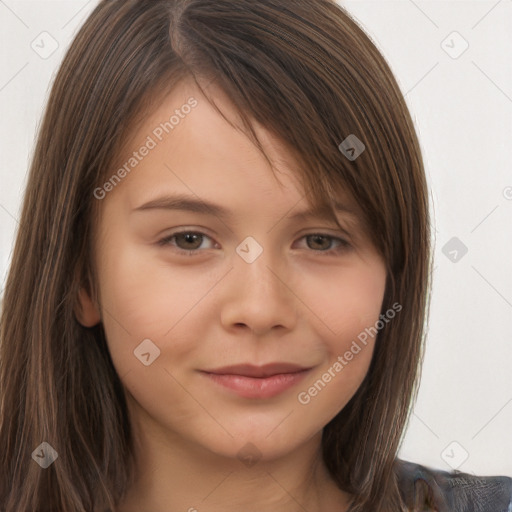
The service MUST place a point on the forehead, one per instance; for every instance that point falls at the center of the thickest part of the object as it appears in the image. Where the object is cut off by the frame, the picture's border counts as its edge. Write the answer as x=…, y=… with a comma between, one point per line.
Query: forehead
x=200, y=162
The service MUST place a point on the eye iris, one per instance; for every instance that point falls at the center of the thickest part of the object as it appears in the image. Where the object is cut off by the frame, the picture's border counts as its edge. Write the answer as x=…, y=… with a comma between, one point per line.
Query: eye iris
x=316, y=238
x=189, y=237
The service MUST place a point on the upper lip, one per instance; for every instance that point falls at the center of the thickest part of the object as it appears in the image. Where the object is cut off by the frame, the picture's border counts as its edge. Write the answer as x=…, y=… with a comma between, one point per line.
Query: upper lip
x=267, y=370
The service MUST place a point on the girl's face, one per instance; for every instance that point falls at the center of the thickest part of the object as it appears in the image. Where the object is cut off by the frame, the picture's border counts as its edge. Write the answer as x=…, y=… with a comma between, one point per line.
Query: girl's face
x=258, y=288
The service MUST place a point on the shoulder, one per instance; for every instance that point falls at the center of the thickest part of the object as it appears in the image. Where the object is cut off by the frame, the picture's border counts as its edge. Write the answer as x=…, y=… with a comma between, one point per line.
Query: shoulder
x=453, y=491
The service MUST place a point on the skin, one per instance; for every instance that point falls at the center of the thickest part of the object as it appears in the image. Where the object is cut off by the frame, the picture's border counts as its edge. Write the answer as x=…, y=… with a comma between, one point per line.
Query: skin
x=295, y=303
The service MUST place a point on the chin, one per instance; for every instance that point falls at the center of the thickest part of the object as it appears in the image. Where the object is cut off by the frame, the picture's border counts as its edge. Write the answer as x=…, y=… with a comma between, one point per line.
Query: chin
x=250, y=445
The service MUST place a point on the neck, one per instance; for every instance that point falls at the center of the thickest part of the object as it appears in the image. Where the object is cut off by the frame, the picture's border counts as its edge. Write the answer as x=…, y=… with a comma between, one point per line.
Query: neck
x=178, y=476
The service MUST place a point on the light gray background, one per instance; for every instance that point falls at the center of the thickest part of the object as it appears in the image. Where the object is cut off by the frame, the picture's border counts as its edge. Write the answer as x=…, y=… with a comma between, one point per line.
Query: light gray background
x=462, y=107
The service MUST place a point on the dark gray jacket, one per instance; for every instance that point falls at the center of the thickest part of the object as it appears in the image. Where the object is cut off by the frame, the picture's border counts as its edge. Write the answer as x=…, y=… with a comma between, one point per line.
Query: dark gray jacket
x=453, y=491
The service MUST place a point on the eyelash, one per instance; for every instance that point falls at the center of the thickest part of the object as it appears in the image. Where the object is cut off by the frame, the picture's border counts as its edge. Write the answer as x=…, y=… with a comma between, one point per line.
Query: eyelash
x=343, y=244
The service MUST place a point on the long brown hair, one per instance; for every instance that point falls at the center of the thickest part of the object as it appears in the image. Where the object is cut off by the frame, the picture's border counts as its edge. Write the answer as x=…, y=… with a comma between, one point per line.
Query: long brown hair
x=306, y=71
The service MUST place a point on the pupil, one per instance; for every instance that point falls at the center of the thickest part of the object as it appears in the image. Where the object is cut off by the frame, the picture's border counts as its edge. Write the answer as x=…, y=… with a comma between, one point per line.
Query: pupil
x=319, y=238
x=189, y=238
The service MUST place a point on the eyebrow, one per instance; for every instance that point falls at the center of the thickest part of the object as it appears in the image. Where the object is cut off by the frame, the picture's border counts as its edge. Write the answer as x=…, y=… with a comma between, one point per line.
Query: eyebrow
x=184, y=202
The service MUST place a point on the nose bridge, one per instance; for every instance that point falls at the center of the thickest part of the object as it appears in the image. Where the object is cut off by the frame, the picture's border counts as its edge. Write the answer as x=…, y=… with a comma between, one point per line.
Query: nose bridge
x=259, y=296
x=256, y=268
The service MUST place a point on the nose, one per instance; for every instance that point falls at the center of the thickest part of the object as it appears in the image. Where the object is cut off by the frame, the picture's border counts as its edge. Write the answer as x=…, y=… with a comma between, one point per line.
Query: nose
x=259, y=296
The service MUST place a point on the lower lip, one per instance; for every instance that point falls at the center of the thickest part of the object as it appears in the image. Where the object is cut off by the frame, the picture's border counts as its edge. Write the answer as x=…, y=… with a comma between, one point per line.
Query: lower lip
x=250, y=387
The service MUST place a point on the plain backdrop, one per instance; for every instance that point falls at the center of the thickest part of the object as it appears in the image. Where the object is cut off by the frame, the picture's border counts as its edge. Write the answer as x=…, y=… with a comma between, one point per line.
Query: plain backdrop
x=452, y=61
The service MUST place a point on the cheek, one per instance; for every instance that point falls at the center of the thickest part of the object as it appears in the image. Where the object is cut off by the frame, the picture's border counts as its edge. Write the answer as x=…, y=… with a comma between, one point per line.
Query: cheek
x=142, y=298
x=345, y=301
x=349, y=305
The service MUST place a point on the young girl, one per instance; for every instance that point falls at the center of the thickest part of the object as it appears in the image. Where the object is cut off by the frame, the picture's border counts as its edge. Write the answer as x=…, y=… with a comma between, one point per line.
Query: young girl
x=271, y=364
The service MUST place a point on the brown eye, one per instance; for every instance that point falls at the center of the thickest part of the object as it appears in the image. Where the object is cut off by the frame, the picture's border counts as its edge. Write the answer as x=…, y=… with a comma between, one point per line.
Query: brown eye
x=188, y=241
x=319, y=242
x=323, y=243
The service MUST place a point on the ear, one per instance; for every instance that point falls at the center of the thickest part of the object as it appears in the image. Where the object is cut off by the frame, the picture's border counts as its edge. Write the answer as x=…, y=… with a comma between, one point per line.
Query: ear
x=86, y=310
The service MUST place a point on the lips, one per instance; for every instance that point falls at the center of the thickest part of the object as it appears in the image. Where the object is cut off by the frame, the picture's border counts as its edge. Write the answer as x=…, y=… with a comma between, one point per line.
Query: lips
x=258, y=372
x=257, y=382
